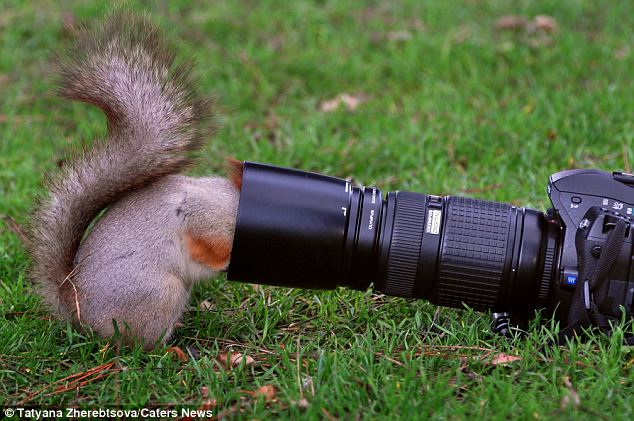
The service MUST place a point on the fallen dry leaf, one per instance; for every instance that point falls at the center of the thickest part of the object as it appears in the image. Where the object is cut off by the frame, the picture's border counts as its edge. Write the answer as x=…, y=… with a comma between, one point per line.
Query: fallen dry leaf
x=499, y=359
x=69, y=24
x=619, y=54
x=69, y=20
x=545, y=23
x=205, y=305
x=511, y=22
x=268, y=391
x=397, y=36
x=234, y=359
x=179, y=353
x=350, y=102
x=571, y=396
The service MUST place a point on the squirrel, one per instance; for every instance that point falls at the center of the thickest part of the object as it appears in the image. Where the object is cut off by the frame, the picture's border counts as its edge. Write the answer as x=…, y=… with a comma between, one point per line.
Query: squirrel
x=121, y=237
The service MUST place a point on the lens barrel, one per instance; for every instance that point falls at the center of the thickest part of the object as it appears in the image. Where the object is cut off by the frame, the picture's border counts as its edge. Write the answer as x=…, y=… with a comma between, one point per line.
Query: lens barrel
x=307, y=230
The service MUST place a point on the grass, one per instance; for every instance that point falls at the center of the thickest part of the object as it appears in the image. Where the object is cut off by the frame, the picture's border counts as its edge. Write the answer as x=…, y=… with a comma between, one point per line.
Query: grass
x=452, y=106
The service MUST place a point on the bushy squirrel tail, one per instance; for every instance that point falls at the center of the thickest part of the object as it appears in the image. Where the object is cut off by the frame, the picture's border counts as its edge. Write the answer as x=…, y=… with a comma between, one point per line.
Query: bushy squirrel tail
x=155, y=118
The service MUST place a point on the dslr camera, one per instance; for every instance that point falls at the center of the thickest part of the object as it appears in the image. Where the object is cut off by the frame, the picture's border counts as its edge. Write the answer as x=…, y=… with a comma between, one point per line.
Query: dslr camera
x=575, y=262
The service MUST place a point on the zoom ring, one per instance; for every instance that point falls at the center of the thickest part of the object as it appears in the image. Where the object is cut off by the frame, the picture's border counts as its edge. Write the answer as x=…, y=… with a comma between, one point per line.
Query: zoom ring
x=473, y=253
x=407, y=235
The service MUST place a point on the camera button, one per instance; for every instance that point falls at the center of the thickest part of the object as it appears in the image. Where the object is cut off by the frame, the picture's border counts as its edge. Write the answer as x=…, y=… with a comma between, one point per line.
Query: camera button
x=623, y=177
x=568, y=278
x=575, y=199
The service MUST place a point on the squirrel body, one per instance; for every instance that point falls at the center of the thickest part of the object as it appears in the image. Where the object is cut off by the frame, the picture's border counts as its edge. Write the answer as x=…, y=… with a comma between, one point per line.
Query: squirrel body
x=168, y=236
x=161, y=232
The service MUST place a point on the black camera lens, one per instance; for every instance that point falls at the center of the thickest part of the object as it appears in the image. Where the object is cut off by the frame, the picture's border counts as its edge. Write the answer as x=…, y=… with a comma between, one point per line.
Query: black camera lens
x=306, y=230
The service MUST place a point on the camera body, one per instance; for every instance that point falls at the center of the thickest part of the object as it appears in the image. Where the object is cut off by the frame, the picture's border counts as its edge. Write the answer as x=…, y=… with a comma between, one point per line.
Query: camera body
x=586, y=204
x=306, y=230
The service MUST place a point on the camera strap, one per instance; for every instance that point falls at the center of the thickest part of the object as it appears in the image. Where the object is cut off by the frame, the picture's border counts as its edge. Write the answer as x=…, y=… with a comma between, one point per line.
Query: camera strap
x=593, y=270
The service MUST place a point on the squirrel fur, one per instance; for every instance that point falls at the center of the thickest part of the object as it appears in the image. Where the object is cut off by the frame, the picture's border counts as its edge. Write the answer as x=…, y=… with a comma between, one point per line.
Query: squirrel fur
x=161, y=231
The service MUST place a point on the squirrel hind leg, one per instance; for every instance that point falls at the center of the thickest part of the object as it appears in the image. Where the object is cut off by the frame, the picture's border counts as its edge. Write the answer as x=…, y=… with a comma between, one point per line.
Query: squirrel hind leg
x=145, y=316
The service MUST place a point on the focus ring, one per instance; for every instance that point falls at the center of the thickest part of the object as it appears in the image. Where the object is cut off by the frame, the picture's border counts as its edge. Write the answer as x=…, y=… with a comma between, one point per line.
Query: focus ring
x=473, y=253
x=407, y=235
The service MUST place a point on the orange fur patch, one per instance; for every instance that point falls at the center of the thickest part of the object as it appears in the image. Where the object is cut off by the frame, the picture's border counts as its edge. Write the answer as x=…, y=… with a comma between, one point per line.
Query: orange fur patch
x=214, y=254
x=235, y=171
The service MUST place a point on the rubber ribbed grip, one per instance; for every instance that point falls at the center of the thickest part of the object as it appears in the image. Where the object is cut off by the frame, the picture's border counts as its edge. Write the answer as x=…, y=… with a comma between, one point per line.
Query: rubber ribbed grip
x=407, y=235
x=473, y=253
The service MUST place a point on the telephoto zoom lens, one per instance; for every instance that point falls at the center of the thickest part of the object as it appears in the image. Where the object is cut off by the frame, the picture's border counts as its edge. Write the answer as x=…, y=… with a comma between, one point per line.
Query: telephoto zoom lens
x=305, y=230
